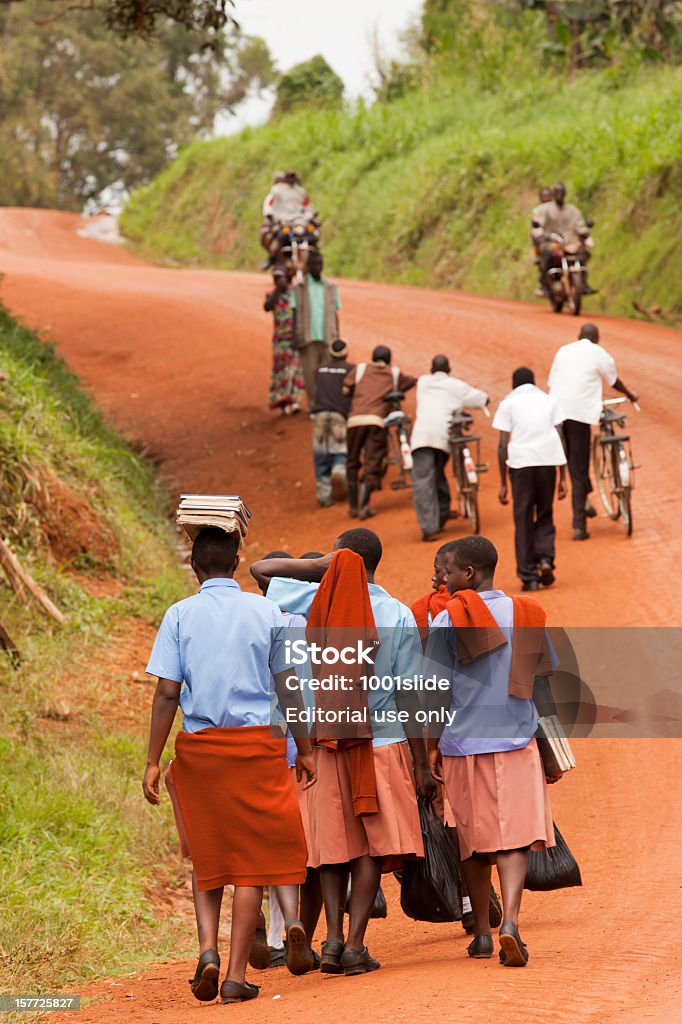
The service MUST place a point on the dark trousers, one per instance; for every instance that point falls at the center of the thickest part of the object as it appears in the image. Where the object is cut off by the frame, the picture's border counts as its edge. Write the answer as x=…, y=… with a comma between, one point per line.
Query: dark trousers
x=430, y=490
x=533, y=496
x=577, y=437
x=367, y=447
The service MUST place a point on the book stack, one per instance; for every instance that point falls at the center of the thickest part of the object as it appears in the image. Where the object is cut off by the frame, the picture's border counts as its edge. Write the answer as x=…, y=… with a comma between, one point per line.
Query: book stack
x=226, y=511
x=555, y=750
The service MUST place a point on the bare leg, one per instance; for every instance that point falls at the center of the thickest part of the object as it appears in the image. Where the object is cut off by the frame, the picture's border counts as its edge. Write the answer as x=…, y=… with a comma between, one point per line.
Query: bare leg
x=477, y=871
x=245, y=910
x=207, y=912
x=512, y=866
x=287, y=896
x=311, y=902
x=334, y=883
x=365, y=875
x=454, y=839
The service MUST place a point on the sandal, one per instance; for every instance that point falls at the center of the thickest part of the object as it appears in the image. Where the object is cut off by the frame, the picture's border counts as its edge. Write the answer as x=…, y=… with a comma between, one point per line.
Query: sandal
x=513, y=952
x=481, y=948
x=234, y=992
x=204, y=984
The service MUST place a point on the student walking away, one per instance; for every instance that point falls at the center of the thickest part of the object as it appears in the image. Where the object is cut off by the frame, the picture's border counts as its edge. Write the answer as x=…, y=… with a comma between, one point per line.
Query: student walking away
x=286, y=378
x=347, y=837
x=315, y=303
x=328, y=415
x=216, y=654
x=530, y=447
x=439, y=396
x=492, y=648
x=368, y=384
x=576, y=381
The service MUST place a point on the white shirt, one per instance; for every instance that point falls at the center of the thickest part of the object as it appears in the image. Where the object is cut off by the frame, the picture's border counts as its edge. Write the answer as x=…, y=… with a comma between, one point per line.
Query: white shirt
x=531, y=417
x=438, y=397
x=575, y=379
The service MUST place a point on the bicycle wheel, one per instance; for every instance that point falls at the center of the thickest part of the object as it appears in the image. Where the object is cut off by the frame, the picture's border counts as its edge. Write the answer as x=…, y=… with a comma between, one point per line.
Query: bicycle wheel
x=605, y=478
x=472, y=513
x=624, y=491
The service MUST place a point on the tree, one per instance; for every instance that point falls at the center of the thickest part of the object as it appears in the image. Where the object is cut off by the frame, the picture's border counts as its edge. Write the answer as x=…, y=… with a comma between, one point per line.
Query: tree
x=312, y=82
x=140, y=17
x=82, y=111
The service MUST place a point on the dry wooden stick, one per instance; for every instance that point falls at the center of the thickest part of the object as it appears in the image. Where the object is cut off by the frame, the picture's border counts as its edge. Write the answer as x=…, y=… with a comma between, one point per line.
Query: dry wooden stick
x=7, y=644
x=21, y=581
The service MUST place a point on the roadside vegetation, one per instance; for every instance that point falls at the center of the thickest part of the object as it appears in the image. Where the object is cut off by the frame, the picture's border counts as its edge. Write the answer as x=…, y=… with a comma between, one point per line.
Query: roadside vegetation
x=81, y=854
x=433, y=183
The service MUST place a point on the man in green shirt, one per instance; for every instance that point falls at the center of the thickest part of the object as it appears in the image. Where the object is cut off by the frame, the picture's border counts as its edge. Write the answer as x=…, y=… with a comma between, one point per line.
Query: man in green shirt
x=315, y=304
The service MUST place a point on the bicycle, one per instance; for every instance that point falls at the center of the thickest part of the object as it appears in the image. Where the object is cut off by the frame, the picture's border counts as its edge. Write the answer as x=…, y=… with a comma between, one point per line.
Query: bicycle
x=466, y=469
x=613, y=467
x=398, y=428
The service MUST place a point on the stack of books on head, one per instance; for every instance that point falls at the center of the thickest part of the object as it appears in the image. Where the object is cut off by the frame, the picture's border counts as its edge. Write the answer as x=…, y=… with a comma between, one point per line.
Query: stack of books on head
x=226, y=511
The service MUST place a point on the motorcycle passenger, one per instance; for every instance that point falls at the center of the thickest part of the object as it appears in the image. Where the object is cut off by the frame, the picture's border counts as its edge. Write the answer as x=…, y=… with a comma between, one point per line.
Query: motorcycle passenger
x=367, y=436
x=561, y=218
x=287, y=203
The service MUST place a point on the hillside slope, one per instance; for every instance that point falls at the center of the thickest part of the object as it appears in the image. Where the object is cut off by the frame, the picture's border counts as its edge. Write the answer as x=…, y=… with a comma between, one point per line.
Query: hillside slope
x=81, y=853
x=436, y=187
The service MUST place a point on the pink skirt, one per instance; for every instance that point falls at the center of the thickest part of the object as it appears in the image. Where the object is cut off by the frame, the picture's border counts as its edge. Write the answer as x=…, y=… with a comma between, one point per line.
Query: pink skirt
x=302, y=797
x=500, y=801
x=336, y=835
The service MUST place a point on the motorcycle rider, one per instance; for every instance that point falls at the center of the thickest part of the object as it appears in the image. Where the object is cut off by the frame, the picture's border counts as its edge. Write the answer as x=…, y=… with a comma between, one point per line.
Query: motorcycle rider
x=561, y=218
x=545, y=195
x=286, y=203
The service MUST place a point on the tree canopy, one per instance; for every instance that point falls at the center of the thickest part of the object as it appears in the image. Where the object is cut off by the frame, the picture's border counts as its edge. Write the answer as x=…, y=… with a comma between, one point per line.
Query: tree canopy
x=82, y=111
x=311, y=82
x=140, y=17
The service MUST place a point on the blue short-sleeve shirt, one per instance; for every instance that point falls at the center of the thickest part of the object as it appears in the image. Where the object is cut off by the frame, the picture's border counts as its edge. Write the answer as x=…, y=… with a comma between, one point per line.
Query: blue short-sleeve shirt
x=224, y=646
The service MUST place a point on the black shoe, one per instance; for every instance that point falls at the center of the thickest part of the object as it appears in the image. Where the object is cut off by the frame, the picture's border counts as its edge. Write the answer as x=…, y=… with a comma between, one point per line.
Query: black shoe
x=494, y=910
x=278, y=957
x=358, y=961
x=431, y=536
x=259, y=957
x=589, y=290
x=531, y=585
x=299, y=954
x=234, y=992
x=204, y=984
x=513, y=952
x=331, y=957
x=581, y=535
x=546, y=572
x=590, y=510
x=481, y=948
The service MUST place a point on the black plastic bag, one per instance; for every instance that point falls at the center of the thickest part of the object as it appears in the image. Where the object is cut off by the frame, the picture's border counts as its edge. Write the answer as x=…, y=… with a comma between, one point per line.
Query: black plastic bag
x=380, y=908
x=555, y=868
x=430, y=888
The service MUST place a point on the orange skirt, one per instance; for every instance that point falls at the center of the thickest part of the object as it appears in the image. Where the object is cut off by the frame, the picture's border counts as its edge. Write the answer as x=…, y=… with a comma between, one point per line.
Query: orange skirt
x=236, y=808
x=337, y=836
x=499, y=801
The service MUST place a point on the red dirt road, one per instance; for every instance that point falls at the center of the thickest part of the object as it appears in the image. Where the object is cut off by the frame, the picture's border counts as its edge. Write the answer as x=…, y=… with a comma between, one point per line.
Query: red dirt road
x=179, y=360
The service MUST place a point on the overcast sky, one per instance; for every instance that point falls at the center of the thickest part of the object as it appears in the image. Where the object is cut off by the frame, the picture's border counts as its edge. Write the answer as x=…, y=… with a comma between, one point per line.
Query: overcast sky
x=341, y=30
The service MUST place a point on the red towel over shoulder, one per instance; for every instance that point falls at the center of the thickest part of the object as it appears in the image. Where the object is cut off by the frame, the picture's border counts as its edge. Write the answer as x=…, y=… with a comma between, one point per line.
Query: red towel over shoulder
x=341, y=616
x=478, y=634
x=435, y=602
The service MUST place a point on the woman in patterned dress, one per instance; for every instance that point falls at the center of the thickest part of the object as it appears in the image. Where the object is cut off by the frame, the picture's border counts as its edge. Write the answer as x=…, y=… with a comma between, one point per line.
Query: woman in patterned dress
x=286, y=379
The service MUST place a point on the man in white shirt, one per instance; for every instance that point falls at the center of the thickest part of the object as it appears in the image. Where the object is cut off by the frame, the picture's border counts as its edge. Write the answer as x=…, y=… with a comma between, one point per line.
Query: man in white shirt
x=530, y=447
x=439, y=396
x=576, y=382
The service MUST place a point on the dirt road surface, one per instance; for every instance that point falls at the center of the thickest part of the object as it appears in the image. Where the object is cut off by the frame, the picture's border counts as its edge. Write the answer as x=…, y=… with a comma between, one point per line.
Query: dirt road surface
x=179, y=360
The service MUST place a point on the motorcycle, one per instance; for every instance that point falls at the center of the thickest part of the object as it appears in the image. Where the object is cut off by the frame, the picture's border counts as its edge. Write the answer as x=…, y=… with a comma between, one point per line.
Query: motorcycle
x=295, y=242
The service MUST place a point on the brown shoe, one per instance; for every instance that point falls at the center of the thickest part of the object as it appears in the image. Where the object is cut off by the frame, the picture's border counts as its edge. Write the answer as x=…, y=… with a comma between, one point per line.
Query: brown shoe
x=331, y=957
x=299, y=953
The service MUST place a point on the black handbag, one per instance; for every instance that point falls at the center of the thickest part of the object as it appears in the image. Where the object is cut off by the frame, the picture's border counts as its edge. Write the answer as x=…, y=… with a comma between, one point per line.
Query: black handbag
x=430, y=888
x=553, y=868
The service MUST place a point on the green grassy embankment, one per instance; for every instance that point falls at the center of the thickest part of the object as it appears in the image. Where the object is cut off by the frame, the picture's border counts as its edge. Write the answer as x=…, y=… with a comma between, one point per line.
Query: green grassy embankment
x=80, y=851
x=435, y=188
